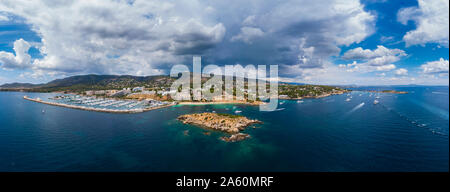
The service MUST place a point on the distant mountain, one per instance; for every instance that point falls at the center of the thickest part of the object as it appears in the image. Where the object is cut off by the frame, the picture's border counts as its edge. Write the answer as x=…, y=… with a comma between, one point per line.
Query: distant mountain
x=87, y=82
x=101, y=82
x=19, y=85
x=96, y=82
x=292, y=83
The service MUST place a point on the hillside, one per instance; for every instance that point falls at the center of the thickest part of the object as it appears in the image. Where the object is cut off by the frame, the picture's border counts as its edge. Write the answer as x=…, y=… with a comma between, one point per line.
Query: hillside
x=19, y=85
x=83, y=83
x=92, y=82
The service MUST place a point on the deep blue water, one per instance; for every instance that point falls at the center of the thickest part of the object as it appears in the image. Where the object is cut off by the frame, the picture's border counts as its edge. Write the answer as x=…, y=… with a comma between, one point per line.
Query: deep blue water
x=402, y=133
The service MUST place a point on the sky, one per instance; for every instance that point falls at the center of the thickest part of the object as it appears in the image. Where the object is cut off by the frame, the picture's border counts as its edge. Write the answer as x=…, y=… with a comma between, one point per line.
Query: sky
x=338, y=42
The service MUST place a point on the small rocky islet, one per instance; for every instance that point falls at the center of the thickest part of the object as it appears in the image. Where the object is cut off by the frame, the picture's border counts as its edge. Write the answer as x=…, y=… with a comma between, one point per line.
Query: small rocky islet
x=228, y=123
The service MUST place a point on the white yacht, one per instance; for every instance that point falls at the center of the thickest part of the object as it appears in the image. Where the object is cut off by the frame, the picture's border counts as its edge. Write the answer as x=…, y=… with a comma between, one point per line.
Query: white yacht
x=375, y=102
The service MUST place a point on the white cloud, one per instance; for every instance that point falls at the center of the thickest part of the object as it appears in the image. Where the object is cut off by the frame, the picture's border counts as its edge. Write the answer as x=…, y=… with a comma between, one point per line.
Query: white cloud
x=432, y=20
x=435, y=67
x=248, y=34
x=381, y=74
x=385, y=39
x=401, y=72
x=250, y=20
x=116, y=37
x=385, y=67
x=147, y=37
x=361, y=23
x=4, y=18
x=380, y=56
x=21, y=59
x=380, y=59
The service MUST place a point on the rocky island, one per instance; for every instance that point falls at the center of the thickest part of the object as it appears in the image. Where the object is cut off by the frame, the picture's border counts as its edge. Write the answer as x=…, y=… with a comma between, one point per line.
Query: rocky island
x=222, y=122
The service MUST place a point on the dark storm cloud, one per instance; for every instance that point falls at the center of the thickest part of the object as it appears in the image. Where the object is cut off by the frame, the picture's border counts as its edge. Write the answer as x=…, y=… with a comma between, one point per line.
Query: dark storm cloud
x=148, y=37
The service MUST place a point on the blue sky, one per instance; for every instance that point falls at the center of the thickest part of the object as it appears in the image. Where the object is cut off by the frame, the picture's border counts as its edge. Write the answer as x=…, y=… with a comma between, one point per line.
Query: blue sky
x=390, y=32
x=365, y=42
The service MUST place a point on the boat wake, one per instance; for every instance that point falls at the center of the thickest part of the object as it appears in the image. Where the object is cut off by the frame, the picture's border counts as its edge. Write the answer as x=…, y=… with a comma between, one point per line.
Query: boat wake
x=356, y=108
x=353, y=110
x=280, y=109
x=416, y=122
x=440, y=93
x=435, y=110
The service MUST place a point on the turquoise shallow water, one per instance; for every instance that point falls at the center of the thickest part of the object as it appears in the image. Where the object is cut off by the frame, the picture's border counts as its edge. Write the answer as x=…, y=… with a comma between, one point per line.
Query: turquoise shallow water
x=402, y=133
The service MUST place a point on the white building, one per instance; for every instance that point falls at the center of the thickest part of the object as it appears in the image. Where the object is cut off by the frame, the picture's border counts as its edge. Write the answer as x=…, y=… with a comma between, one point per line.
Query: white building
x=138, y=89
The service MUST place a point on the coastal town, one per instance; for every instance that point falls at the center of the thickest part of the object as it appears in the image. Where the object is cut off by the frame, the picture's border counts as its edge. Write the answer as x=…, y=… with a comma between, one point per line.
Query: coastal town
x=138, y=94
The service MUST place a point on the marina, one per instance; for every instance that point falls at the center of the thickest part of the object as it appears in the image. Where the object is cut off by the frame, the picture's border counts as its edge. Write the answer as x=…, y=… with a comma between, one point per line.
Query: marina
x=107, y=105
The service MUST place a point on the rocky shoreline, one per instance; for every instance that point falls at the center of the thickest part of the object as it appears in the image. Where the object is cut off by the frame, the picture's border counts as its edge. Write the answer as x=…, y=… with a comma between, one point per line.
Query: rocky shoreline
x=235, y=137
x=228, y=123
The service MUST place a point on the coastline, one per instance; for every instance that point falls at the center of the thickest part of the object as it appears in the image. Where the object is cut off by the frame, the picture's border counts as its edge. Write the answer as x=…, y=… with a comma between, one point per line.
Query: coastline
x=191, y=103
x=219, y=103
x=314, y=97
x=97, y=109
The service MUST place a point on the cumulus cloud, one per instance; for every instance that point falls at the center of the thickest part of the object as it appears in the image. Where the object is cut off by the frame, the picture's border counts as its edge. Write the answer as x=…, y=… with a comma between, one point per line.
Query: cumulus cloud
x=380, y=56
x=21, y=59
x=380, y=59
x=432, y=20
x=248, y=34
x=401, y=72
x=117, y=37
x=4, y=18
x=435, y=67
x=147, y=37
x=385, y=67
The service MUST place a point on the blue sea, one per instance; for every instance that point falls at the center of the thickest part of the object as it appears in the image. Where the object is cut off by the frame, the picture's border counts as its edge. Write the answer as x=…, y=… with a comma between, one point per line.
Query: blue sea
x=403, y=132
